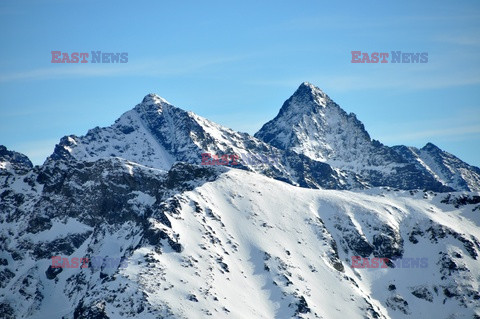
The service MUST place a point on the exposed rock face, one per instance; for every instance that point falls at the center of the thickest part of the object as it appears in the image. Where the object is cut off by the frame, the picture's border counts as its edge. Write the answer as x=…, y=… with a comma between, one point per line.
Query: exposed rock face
x=13, y=161
x=445, y=167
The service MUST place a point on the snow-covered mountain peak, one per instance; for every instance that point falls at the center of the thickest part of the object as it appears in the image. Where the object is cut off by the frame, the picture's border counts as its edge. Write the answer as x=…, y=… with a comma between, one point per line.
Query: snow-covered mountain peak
x=309, y=122
x=306, y=99
x=152, y=104
x=153, y=98
x=312, y=124
x=309, y=87
x=430, y=147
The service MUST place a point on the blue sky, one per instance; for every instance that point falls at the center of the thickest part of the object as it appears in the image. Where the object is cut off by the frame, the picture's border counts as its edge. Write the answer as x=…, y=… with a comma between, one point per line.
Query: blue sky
x=235, y=62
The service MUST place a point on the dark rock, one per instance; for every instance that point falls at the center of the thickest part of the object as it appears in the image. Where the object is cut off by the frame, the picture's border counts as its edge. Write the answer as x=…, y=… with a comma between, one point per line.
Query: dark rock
x=302, y=306
x=51, y=272
x=5, y=276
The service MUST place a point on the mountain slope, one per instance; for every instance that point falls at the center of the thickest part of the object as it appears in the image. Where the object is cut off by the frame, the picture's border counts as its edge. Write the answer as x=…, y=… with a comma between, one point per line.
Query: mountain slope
x=220, y=242
x=310, y=123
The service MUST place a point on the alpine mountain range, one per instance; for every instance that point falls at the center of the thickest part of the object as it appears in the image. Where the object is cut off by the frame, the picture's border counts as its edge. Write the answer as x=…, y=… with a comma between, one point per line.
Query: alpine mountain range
x=270, y=240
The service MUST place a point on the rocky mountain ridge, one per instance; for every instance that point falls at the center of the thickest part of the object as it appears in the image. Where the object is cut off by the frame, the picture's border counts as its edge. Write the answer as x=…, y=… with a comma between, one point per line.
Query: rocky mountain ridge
x=312, y=124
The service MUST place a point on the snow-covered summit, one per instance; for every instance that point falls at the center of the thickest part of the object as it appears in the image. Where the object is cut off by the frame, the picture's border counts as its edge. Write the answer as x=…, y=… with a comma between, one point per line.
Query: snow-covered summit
x=153, y=98
x=307, y=92
x=312, y=124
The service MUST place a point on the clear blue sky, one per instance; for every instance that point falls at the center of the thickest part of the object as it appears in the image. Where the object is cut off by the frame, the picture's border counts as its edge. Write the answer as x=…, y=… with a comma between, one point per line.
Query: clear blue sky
x=235, y=62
